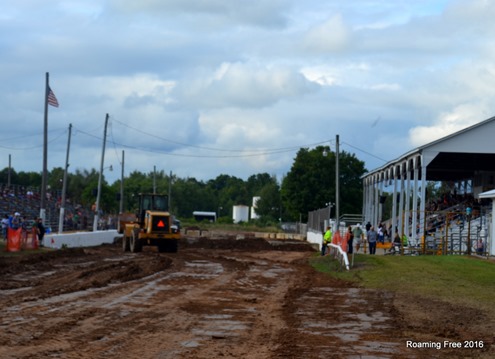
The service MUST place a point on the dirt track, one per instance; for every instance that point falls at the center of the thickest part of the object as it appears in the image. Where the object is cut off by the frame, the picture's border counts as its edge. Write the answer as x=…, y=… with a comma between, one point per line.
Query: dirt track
x=220, y=298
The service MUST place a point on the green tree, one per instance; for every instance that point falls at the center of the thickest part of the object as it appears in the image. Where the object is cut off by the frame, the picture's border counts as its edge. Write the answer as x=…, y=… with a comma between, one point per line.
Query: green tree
x=55, y=180
x=76, y=184
x=310, y=183
x=228, y=191
x=32, y=179
x=268, y=207
x=191, y=195
x=351, y=170
x=256, y=183
x=137, y=182
x=82, y=189
x=4, y=175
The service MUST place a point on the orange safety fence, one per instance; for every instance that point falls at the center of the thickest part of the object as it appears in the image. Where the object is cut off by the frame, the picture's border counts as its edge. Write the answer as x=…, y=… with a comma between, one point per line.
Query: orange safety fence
x=338, y=249
x=339, y=241
x=18, y=240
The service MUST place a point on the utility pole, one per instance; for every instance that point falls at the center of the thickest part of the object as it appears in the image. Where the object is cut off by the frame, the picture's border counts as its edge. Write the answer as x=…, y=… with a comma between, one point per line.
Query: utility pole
x=10, y=170
x=337, y=183
x=122, y=186
x=98, y=194
x=154, y=179
x=169, y=189
x=64, y=186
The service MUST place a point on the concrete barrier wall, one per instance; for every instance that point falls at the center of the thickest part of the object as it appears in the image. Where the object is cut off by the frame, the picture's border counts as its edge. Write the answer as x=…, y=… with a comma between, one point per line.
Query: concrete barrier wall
x=88, y=239
x=264, y=235
x=315, y=237
x=80, y=239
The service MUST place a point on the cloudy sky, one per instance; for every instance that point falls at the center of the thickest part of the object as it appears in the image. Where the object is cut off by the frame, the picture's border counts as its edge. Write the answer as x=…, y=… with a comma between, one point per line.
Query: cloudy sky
x=209, y=87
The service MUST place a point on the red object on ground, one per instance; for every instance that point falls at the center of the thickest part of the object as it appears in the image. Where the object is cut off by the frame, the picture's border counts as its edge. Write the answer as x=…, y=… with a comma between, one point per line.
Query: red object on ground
x=14, y=240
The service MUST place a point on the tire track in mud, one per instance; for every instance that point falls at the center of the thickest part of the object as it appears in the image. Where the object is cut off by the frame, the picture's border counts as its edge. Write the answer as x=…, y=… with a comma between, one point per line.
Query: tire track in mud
x=198, y=300
x=198, y=303
x=337, y=320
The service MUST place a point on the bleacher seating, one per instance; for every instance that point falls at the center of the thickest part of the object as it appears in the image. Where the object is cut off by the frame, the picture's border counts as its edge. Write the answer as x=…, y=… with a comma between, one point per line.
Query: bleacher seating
x=455, y=229
x=27, y=201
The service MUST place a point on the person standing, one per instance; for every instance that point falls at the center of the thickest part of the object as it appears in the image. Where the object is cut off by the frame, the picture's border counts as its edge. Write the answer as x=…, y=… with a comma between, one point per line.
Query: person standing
x=381, y=235
x=349, y=237
x=15, y=220
x=5, y=226
x=327, y=239
x=40, y=231
x=358, y=236
x=372, y=238
x=24, y=231
x=479, y=246
x=396, y=244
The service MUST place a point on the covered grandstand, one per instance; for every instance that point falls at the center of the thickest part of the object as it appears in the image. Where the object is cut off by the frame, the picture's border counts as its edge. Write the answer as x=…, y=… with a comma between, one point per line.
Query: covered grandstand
x=466, y=161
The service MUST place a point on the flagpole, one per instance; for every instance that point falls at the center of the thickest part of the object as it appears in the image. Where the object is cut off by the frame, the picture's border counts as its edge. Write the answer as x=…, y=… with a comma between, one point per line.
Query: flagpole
x=45, y=155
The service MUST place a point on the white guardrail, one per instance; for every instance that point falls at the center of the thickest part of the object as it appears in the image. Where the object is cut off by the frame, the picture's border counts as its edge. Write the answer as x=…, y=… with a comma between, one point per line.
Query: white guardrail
x=337, y=252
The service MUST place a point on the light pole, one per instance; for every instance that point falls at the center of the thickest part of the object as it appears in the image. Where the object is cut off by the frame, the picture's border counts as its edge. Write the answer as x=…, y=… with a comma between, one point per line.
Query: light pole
x=337, y=182
x=330, y=205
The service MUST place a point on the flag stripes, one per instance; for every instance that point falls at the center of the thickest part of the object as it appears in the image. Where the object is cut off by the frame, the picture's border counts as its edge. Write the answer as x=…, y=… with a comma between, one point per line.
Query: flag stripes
x=52, y=100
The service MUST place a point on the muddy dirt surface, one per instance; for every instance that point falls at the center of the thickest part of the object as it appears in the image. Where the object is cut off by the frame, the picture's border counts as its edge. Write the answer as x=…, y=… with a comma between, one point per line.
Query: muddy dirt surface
x=215, y=298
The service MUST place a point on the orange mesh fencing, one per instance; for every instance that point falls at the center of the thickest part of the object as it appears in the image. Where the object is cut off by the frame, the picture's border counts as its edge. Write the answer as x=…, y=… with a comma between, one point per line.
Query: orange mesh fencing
x=13, y=240
x=339, y=241
x=19, y=240
x=31, y=242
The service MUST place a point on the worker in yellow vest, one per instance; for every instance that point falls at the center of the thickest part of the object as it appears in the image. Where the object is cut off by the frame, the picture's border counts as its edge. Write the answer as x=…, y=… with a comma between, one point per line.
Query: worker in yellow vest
x=327, y=239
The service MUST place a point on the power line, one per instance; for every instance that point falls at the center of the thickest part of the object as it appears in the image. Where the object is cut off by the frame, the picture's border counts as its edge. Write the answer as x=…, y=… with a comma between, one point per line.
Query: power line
x=245, y=153
x=30, y=147
x=262, y=151
x=113, y=142
x=368, y=153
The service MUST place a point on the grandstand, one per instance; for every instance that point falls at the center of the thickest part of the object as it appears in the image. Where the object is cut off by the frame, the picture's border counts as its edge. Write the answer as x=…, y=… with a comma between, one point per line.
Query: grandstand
x=465, y=163
x=454, y=231
x=26, y=201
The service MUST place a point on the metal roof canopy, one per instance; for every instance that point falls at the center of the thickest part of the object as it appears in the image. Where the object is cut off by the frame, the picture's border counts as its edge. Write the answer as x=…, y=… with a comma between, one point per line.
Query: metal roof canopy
x=452, y=158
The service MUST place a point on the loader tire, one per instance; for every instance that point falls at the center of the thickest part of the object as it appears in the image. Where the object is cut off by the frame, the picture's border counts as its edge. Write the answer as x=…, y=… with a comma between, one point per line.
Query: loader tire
x=169, y=246
x=135, y=244
x=125, y=243
x=173, y=246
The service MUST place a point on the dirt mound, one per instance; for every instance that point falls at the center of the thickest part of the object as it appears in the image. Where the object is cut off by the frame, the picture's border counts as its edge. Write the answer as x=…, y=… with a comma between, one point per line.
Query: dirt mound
x=76, y=269
x=245, y=243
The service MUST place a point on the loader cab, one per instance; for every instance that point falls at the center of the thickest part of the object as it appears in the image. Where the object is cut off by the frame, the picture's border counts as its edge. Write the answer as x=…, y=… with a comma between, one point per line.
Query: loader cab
x=152, y=202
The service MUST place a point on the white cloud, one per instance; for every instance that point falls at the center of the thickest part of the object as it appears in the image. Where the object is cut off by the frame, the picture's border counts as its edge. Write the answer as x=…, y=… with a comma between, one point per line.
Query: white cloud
x=212, y=13
x=243, y=85
x=181, y=78
x=322, y=75
x=460, y=117
x=333, y=35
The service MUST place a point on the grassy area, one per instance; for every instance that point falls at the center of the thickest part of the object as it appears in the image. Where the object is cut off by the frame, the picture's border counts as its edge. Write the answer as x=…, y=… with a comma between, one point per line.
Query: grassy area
x=455, y=279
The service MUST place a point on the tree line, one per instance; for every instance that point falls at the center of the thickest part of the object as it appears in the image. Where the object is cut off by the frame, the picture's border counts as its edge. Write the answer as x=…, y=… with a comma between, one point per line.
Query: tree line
x=309, y=185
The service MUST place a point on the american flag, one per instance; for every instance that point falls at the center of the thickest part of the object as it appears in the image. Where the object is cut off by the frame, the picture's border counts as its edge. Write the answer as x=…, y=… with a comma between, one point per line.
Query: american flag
x=52, y=100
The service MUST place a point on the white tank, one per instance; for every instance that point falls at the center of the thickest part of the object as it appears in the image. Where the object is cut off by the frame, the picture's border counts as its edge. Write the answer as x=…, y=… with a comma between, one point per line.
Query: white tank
x=241, y=213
